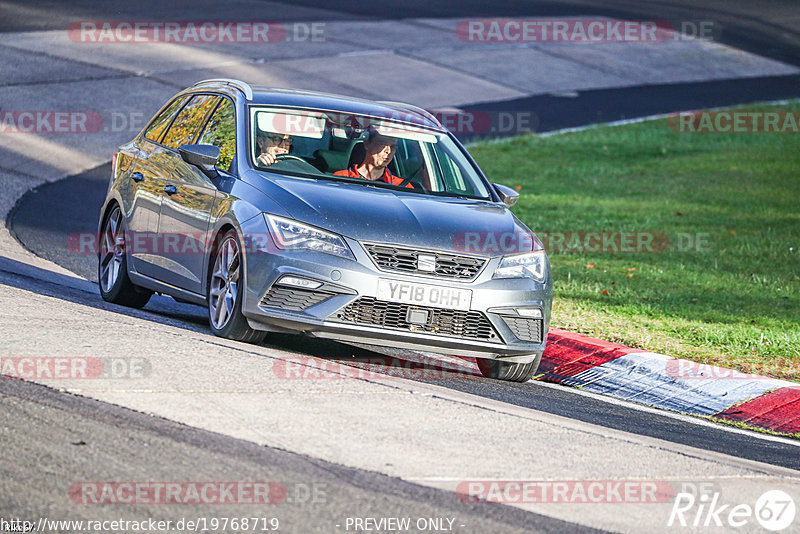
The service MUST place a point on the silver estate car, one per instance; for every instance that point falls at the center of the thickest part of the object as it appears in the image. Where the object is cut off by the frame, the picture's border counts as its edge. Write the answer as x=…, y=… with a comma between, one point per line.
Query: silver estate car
x=335, y=217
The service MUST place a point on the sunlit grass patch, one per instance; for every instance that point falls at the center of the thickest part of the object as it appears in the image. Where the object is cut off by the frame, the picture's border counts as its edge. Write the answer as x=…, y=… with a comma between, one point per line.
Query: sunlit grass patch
x=726, y=290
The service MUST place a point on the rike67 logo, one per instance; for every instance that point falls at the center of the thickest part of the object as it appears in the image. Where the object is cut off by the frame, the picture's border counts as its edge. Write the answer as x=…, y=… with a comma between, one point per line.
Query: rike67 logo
x=774, y=511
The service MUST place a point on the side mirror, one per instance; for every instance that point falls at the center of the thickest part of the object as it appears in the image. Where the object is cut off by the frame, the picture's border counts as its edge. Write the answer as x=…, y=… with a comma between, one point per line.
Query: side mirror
x=507, y=195
x=203, y=156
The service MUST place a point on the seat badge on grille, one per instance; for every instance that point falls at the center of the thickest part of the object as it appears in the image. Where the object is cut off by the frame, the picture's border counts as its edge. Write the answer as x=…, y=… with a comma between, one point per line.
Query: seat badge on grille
x=426, y=262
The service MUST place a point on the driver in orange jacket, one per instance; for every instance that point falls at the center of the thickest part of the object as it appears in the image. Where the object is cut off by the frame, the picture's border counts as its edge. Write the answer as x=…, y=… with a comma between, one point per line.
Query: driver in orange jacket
x=380, y=151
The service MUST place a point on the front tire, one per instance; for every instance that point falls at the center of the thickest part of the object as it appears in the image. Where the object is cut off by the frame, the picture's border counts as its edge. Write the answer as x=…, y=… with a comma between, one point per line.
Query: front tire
x=226, y=292
x=112, y=266
x=509, y=371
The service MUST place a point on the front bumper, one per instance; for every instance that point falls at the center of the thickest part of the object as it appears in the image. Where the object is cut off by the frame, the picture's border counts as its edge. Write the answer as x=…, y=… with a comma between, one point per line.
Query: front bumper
x=346, y=308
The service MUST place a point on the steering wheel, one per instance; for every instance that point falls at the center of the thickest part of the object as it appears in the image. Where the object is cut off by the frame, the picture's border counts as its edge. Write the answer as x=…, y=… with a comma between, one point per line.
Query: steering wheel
x=281, y=157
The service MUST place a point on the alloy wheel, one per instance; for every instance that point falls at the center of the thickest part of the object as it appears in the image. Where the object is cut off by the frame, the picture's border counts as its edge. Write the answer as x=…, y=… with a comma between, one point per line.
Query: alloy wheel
x=224, y=283
x=112, y=250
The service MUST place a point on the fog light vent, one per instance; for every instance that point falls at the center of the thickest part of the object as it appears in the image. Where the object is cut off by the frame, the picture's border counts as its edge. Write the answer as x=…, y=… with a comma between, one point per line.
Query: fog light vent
x=525, y=329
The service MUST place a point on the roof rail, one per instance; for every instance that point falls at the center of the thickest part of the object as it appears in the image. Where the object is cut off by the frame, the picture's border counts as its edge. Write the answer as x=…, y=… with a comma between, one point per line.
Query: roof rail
x=424, y=113
x=238, y=84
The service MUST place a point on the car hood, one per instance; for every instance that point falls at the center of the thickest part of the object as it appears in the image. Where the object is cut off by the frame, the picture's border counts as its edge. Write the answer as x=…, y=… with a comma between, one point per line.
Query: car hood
x=368, y=213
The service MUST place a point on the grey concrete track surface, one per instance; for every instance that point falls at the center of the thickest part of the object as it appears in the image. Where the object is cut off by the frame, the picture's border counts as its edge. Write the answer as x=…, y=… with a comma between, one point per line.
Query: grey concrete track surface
x=765, y=28
x=84, y=441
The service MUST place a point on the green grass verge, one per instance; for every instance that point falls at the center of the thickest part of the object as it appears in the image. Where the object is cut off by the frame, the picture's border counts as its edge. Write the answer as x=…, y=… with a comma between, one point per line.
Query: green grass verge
x=732, y=301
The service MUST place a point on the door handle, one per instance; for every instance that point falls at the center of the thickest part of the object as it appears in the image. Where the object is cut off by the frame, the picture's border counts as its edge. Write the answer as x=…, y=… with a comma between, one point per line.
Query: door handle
x=137, y=177
x=170, y=189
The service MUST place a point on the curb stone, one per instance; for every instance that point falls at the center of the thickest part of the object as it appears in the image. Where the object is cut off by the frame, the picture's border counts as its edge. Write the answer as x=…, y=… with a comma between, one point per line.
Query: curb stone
x=670, y=383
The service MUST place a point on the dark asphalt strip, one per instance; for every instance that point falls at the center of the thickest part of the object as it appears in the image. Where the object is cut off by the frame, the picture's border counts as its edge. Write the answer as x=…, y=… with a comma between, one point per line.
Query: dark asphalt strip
x=47, y=217
x=546, y=113
x=52, y=441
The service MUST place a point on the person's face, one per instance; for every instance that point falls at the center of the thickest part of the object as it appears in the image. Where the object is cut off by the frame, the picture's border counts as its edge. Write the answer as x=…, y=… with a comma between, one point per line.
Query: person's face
x=275, y=144
x=380, y=153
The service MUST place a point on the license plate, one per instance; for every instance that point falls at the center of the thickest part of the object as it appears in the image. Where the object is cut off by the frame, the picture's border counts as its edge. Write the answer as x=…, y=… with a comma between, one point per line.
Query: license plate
x=424, y=294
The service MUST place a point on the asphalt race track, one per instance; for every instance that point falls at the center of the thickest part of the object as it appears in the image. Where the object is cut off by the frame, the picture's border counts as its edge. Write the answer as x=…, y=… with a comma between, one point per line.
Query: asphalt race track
x=374, y=446
x=765, y=28
x=88, y=437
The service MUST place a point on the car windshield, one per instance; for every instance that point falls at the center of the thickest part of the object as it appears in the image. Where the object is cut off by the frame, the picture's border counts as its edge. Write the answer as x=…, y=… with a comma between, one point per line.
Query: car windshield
x=347, y=147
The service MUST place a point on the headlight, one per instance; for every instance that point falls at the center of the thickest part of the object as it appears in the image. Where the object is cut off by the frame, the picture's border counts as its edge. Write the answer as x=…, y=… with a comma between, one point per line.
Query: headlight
x=528, y=265
x=292, y=235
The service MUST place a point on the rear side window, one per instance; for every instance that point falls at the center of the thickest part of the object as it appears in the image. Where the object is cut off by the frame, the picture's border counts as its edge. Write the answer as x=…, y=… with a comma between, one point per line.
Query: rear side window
x=160, y=123
x=221, y=132
x=189, y=120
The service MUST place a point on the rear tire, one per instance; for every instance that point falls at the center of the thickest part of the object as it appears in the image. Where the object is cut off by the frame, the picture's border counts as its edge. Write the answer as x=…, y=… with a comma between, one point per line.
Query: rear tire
x=509, y=371
x=226, y=291
x=112, y=265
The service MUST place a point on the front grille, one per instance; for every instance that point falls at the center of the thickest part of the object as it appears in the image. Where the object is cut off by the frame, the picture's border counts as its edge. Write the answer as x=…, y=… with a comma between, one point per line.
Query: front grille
x=404, y=260
x=525, y=329
x=293, y=298
x=453, y=323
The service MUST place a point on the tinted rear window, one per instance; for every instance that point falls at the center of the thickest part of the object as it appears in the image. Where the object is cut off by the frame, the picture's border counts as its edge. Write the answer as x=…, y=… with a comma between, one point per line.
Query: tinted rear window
x=186, y=125
x=162, y=120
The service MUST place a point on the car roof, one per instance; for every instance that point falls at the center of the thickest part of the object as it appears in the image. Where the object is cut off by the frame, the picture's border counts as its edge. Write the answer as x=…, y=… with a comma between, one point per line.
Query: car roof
x=305, y=99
